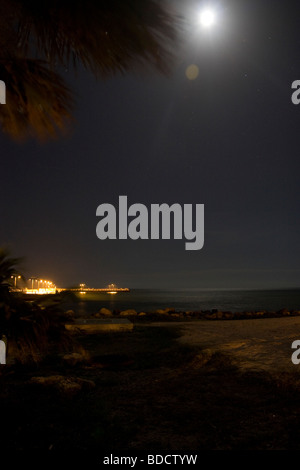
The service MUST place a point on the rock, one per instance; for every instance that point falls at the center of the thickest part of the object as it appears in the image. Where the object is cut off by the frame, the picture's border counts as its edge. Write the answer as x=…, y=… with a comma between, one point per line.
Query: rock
x=260, y=314
x=193, y=313
x=65, y=385
x=70, y=314
x=164, y=311
x=105, y=311
x=211, y=316
x=74, y=358
x=228, y=315
x=284, y=311
x=202, y=358
x=128, y=312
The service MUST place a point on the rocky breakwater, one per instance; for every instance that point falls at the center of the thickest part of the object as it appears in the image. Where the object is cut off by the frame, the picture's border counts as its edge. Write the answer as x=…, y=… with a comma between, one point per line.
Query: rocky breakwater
x=170, y=314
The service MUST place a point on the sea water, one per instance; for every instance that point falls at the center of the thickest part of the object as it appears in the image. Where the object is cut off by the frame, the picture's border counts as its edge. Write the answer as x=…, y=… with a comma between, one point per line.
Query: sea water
x=149, y=300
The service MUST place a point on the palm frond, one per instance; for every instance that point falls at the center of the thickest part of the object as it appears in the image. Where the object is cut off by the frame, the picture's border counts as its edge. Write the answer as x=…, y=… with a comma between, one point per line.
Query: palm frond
x=39, y=102
x=106, y=36
x=9, y=266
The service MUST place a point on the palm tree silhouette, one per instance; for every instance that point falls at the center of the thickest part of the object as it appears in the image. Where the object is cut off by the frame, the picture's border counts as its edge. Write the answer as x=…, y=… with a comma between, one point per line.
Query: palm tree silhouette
x=104, y=36
x=8, y=269
x=29, y=328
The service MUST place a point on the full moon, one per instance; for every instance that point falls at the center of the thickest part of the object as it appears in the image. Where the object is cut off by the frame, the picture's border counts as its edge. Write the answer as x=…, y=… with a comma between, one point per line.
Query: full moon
x=207, y=18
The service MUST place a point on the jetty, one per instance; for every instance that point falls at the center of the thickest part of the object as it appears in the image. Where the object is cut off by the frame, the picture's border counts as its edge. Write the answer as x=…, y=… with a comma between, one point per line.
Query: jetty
x=82, y=289
x=51, y=288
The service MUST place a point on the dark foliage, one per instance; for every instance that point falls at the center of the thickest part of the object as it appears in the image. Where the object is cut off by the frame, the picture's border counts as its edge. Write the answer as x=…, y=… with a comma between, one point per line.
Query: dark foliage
x=37, y=39
x=30, y=329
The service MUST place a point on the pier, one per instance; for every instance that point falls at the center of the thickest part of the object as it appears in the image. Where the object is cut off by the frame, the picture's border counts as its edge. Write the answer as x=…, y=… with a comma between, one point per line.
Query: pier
x=50, y=288
x=91, y=289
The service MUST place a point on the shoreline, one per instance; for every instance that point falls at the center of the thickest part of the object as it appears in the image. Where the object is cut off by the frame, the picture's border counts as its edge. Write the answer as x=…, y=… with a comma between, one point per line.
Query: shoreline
x=170, y=313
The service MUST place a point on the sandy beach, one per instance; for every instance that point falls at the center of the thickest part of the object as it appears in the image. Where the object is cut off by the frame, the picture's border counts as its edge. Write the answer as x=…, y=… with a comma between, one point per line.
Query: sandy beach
x=161, y=385
x=257, y=344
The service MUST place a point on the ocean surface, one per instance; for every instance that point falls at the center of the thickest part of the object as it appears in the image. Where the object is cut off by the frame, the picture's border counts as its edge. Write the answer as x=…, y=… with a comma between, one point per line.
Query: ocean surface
x=149, y=300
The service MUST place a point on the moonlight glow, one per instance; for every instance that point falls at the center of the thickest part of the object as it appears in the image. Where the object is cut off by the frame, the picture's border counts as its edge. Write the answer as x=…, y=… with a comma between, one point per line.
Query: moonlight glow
x=207, y=18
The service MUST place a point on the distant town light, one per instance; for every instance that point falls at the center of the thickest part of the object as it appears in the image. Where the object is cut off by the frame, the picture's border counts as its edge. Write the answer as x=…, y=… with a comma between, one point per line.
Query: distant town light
x=42, y=286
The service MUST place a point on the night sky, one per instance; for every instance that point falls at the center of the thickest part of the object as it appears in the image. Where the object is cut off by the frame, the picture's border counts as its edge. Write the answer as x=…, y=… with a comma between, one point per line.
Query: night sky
x=228, y=139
